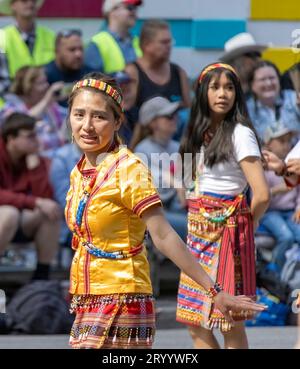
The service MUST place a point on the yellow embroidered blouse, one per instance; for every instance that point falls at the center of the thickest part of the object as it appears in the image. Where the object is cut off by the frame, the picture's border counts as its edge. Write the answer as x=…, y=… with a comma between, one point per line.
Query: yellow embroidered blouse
x=111, y=221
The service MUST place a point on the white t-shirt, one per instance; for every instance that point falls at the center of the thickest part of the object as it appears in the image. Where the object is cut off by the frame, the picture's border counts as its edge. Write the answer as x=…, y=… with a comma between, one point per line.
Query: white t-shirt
x=227, y=178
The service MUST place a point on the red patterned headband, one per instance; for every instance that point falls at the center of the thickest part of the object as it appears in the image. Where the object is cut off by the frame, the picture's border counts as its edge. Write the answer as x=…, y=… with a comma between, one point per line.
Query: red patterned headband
x=215, y=66
x=102, y=86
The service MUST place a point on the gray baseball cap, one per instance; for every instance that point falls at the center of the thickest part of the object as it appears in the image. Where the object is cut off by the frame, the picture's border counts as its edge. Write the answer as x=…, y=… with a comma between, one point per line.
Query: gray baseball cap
x=156, y=107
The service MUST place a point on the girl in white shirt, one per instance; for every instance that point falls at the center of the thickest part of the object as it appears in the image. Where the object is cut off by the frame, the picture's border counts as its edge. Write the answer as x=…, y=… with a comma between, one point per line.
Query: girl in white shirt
x=226, y=158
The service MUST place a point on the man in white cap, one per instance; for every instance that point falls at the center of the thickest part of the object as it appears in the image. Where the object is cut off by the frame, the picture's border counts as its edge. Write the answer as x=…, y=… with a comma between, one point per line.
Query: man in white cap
x=23, y=43
x=112, y=49
x=242, y=52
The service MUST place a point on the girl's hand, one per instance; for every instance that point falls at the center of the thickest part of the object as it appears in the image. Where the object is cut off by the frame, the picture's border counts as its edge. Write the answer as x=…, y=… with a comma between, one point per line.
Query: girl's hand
x=293, y=166
x=296, y=218
x=227, y=303
x=273, y=162
x=298, y=301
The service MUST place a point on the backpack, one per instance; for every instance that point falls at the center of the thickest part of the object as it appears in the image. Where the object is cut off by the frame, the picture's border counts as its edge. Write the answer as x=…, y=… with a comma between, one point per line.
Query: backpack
x=39, y=308
x=276, y=313
x=291, y=270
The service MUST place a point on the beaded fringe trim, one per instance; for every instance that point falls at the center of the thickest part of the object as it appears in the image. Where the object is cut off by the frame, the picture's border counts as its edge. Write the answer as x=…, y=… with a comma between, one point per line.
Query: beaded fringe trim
x=82, y=303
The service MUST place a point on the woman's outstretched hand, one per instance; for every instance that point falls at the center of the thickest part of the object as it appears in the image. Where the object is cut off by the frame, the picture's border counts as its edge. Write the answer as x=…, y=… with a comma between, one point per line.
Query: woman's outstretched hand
x=273, y=162
x=227, y=303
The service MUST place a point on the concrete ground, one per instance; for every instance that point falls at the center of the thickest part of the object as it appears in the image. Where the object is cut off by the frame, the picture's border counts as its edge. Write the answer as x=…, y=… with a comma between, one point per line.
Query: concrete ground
x=259, y=338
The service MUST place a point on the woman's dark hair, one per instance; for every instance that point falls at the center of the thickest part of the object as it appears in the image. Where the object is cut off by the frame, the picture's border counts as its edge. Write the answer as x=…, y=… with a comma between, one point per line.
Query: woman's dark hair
x=16, y=122
x=220, y=148
x=118, y=113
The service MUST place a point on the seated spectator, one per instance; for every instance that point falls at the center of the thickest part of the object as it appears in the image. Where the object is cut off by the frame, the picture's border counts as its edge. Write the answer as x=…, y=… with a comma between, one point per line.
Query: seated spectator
x=243, y=53
x=68, y=66
x=153, y=74
x=31, y=94
x=282, y=220
x=63, y=161
x=157, y=151
x=268, y=103
x=28, y=212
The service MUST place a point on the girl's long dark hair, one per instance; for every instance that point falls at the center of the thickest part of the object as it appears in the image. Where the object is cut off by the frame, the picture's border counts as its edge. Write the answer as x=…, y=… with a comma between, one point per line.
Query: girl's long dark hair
x=220, y=148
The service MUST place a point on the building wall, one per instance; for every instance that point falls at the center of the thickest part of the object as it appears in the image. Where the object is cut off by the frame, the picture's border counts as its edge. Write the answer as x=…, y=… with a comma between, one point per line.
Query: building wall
x=200, y=27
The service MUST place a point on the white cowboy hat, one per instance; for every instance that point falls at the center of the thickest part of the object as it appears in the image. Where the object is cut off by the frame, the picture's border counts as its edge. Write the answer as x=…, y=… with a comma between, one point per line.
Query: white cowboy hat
x=6, y=9
x=240, y=44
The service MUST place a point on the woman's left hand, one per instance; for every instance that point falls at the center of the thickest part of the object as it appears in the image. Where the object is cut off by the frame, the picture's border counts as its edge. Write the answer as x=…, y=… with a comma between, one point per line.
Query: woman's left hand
x=227, y=303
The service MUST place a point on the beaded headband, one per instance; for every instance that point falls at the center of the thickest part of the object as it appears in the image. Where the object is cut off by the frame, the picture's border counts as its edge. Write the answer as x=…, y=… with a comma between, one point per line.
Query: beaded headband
x=215, y=66
x=102, y=86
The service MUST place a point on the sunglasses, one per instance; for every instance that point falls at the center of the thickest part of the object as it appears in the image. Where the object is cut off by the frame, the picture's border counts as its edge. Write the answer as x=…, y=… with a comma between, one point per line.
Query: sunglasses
x=69, y=32
x=31, y=135
x=253, y=54
x=129, y=7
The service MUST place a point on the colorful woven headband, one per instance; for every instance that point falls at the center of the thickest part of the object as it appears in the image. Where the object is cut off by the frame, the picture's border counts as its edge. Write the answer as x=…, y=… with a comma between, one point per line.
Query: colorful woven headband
x=102, y=86
x=215, y=66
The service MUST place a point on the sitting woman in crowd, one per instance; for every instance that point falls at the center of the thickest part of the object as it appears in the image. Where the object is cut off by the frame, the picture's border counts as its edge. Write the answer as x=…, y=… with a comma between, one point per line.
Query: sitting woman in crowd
x=268, y=103
x=283, y=216
x=31, y=94
x=158, y=151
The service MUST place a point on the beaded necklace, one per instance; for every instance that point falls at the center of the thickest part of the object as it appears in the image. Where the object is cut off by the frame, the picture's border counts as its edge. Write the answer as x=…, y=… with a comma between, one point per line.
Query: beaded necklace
x=220, y=216
x=78, y=234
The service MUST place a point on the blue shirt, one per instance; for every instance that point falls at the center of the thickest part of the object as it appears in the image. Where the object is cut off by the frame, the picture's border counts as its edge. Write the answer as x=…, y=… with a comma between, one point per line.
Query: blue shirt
x=288, y=113
x=93, y=59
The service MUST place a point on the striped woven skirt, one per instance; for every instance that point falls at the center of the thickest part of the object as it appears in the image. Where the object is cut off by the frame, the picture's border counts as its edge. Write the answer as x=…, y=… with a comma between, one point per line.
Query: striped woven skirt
x=113, y=321
x=226, y=252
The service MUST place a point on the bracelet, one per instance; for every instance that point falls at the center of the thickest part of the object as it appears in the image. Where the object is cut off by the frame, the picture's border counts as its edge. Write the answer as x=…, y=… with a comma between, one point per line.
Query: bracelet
x=213, y=291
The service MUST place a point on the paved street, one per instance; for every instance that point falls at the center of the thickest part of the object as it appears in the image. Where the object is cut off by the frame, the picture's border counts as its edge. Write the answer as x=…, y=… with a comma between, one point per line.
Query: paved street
x=170, y=335
x=259, y=338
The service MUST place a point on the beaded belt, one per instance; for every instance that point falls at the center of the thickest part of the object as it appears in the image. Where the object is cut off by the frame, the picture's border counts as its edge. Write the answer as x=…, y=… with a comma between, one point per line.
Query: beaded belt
x=122, y=254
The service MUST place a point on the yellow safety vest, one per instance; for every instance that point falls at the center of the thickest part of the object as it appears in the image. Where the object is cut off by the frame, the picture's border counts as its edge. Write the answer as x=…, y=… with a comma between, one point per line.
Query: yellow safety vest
x=111, y=53
x=17, y=53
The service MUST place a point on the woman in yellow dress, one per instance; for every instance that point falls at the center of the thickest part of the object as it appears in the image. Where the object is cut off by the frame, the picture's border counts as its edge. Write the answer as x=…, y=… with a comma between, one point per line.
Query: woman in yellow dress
x=111, y=202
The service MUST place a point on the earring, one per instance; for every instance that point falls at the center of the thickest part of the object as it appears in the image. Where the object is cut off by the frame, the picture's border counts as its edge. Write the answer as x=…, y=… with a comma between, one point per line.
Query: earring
x=72, y=140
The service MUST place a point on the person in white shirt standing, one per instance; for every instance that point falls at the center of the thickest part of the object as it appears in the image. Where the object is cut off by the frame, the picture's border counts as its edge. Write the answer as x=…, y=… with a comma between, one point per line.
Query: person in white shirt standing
x=220, y=221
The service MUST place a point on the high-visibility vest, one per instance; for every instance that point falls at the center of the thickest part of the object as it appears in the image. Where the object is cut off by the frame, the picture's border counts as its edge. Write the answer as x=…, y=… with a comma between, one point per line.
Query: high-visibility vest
x=17, y=53
x=111, y=53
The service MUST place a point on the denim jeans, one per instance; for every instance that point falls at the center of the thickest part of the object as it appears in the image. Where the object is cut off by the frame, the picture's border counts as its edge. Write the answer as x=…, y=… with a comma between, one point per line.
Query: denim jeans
x=286, y=232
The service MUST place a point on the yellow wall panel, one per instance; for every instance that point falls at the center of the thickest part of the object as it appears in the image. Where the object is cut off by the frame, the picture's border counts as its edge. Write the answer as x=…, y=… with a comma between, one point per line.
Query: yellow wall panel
x=275, y=9
x=284, y=58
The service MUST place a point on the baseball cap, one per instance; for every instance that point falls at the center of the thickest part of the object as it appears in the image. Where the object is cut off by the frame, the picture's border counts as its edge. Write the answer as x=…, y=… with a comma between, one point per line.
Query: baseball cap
x=276, y=130
x=156, y=107
x=109, y=5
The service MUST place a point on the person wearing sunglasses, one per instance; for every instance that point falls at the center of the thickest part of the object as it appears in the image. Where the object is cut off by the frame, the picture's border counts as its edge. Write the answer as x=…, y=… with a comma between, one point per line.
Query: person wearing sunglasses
x=113, y=48
x=68, y=66
x=243, y=53
x=24, y=43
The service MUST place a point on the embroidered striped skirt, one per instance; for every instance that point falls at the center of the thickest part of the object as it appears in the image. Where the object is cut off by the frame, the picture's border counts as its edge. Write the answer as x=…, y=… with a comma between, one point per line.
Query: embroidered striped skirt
x=114, y=321
x=226, y=252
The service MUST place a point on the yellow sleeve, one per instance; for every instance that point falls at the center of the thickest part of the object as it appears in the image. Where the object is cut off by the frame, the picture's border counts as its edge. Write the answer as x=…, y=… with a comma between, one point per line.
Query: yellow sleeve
x=138, y=192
